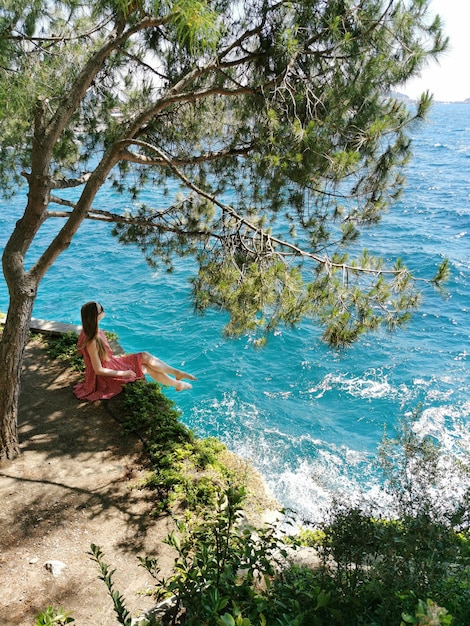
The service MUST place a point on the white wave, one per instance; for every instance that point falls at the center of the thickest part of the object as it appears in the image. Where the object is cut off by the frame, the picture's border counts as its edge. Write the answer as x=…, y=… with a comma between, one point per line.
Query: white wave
x=284, y=395
x=438, y=394
x=303, y=472
x=448, y=425
x=311, y=487
x=307, y=473
x=374, y=384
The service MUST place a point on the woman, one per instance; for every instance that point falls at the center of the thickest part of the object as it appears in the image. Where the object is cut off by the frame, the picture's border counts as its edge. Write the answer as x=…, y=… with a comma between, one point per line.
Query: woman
x=105, y=374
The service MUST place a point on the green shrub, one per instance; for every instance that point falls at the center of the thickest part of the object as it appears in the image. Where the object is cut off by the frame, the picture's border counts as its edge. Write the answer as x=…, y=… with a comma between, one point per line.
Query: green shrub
x=427, y=614
x=184, y=469
x=53, y=617
x=228, y=572
x=146, y=410
x=296, y=594
x=377, y=569
x=64, y=348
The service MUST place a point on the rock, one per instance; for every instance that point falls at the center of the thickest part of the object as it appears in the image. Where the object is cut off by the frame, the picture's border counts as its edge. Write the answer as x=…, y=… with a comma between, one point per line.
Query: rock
x=304, y=556
x=156, y=613
x=54, y=567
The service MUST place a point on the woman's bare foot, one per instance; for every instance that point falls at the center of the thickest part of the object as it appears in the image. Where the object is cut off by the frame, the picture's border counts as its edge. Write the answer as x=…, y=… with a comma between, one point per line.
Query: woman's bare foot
x=180, y=385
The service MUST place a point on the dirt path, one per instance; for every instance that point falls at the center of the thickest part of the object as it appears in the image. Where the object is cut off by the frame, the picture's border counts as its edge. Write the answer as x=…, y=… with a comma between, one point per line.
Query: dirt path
x=72, y=486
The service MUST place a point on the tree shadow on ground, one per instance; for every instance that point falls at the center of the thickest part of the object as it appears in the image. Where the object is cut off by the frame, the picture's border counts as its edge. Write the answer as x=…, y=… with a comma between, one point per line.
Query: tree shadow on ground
x=74, y=458
x=76, y=482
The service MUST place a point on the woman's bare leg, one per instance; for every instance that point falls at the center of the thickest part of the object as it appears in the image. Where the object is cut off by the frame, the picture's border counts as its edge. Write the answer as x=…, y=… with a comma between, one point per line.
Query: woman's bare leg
x=164, y=379
x=151, y=362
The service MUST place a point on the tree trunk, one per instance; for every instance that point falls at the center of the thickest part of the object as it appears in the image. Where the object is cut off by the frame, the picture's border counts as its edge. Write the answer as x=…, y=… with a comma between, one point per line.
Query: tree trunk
x=22, y=287
x=12, y=344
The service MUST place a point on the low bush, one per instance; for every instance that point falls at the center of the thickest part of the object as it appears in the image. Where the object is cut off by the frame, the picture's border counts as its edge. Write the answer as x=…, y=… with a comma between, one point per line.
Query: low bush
x=185, y=470
x=64, y=348
x=228, y=573
x=377, y=569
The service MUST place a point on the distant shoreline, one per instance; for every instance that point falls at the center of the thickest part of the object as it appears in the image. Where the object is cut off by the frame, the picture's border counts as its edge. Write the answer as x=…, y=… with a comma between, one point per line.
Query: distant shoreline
x=405, y=98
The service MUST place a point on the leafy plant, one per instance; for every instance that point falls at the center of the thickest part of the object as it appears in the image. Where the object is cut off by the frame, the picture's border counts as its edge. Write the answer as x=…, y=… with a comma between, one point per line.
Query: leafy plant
x=377, y=568
x=427, y=614
x=145, y=409
x=122, y=613
x=64, y=348
x=229, y=573
x=56, y=617
x=297, y=595
x=184, y=468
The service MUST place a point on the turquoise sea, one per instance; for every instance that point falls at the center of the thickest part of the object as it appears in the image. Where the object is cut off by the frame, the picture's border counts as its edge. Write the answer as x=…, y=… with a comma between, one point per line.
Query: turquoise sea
x=308, y=417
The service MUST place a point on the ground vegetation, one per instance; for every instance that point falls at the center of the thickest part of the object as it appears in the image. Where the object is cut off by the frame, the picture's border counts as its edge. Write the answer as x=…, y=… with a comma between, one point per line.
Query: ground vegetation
x=409, y=566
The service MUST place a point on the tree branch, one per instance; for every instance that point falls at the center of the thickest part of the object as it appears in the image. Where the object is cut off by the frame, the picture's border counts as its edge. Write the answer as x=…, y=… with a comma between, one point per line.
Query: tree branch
x=58, y=38
x=298, y=252
x=61, y=201
x=62, y=183
x=89, y=72
x=68, y=183
x=100, y=216
x=142, y=159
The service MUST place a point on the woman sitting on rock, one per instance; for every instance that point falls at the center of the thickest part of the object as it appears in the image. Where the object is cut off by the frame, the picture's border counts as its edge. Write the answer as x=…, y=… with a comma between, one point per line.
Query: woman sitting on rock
x=105, y=374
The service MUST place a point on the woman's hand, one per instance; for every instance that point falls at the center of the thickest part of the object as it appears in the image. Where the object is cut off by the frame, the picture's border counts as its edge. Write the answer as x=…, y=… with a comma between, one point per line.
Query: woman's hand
x=127, y=374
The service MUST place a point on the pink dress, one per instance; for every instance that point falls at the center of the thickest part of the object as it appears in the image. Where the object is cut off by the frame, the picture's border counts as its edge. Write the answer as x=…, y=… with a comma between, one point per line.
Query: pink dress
x=103, y=387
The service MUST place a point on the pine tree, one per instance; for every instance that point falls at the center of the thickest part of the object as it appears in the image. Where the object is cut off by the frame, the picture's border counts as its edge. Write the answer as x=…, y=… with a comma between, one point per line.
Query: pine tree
x=276, y=120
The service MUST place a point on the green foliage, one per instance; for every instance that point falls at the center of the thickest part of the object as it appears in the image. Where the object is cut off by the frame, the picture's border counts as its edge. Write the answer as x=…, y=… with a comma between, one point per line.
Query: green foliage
x=184, y=468
x=297, y=596
x=64, y=348
x=226, y=572
x=51, y=617
x=148, y=411
x=427, y=614
x=382, y=568
x=229, y=573
x=228, y=620
x=122, y=614
x=287, y=105
x=310, y=538
x=376, y=569
x=195, y=25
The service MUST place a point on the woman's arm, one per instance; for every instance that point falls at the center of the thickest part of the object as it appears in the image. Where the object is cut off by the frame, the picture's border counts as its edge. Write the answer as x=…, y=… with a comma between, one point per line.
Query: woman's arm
x=99, y=369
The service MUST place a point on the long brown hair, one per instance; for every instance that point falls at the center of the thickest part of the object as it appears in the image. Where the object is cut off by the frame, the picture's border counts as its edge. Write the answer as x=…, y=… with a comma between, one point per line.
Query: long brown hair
x=90, y=312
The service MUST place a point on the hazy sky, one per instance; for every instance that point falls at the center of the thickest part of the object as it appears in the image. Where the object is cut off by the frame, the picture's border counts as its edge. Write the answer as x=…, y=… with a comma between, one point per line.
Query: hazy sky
x=448, y=79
